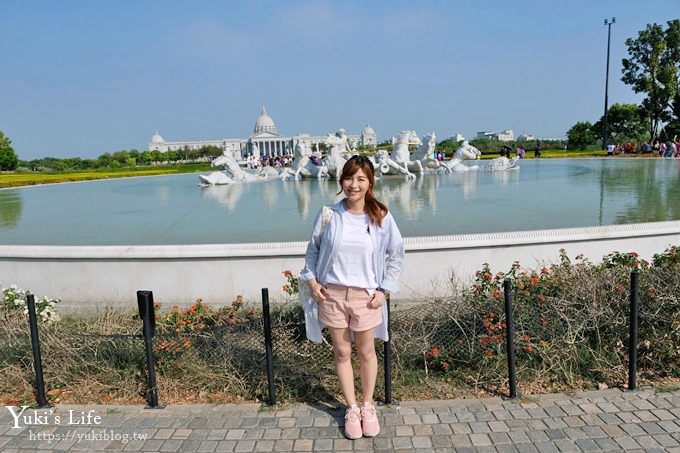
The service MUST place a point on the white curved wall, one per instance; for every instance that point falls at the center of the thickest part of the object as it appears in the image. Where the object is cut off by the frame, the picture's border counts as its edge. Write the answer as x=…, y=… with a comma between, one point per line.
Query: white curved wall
x=88, y=276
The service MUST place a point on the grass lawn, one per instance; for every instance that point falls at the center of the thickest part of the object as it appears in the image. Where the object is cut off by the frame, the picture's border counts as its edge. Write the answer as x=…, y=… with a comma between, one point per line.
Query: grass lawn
x=14, y=179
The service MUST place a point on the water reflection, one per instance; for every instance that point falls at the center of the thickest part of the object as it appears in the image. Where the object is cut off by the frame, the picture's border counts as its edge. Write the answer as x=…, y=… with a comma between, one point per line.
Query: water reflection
x=270, y=194
x=409, y=196
x=227, y=195
x=649, y=190
x=11, y=205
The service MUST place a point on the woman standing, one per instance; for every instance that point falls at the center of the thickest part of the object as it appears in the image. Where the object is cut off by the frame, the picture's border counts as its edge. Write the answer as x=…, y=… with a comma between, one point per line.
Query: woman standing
x=353, y=262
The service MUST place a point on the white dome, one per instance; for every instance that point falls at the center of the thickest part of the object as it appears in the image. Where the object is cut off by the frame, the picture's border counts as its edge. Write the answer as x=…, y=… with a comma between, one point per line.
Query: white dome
x=264, y=123
x=157, y=139
x=368, y=130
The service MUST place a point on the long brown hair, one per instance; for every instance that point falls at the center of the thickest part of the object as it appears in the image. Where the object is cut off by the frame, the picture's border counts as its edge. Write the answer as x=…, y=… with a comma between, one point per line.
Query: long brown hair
x=376, y=210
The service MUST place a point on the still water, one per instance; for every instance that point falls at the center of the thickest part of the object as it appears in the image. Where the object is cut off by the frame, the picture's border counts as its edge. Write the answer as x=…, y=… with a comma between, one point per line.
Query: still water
x=555, y=193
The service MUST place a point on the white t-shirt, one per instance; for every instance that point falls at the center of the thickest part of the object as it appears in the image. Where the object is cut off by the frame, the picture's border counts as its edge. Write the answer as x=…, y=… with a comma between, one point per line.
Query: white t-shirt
x=353, y=266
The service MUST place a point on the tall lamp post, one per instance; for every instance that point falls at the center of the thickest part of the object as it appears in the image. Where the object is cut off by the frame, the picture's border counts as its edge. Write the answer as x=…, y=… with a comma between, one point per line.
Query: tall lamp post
x=606, y=83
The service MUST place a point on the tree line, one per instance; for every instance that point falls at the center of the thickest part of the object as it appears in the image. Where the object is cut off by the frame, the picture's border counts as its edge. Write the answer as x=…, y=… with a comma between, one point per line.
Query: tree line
x=652, y=68
x=118, y=159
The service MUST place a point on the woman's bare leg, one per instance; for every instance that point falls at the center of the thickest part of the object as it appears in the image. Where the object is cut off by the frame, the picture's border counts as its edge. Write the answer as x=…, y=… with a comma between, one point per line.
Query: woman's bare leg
x=342, y=351
x=368, y=361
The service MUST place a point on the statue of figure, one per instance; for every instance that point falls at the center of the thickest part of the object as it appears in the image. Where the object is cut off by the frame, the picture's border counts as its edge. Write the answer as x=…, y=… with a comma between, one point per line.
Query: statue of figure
x=256, y=151
x=339, y=151
x=343, y=144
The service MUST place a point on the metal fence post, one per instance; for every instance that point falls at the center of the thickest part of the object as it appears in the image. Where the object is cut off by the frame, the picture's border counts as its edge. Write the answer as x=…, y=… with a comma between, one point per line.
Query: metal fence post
x=268, y=345
x=509, y=339
x=148, y=315
x=37, y=358
x=633, y=341
x=387, y=352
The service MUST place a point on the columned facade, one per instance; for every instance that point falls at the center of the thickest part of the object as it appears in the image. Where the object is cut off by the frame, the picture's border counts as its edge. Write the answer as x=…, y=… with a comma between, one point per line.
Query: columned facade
x=265, y=141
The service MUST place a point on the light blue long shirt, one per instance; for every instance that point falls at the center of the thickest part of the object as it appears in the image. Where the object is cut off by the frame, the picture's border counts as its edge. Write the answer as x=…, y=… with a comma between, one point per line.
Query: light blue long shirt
x=388, y=262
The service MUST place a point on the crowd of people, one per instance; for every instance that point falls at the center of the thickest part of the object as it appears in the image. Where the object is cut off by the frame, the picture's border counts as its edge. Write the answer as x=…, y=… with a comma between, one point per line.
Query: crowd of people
x=668, y=148
x=254, y=162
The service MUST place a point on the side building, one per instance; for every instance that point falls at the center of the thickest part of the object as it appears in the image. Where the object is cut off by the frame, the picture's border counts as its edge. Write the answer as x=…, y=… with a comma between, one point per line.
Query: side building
x=265, y=141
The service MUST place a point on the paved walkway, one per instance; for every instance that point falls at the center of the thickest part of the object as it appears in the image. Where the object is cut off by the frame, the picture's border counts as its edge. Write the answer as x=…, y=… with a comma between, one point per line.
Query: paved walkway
x=609, y=420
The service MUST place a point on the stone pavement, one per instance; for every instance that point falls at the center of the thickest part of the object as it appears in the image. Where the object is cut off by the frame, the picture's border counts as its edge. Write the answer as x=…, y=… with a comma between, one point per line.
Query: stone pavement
x=609, y=420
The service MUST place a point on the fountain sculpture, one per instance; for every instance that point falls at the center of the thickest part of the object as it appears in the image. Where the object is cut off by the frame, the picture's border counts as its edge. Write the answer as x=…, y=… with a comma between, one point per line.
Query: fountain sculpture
x=399, y=162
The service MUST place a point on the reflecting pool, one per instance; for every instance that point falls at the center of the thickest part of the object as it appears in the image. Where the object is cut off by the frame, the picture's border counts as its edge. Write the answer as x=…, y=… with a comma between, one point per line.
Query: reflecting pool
x=550, y=193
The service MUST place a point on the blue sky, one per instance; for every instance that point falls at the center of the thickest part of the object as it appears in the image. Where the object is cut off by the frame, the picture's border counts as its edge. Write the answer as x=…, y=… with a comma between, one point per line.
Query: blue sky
x=81, y=78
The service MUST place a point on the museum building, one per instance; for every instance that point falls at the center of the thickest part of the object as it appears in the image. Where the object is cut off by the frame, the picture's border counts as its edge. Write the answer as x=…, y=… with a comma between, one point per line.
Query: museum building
x=265, y=141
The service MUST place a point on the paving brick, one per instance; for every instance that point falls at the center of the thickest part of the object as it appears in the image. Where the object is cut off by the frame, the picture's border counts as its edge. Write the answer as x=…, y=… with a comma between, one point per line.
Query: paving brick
x=587, y=445
x=422, y=430
x=518, y=437
x=607, y=444
x=323, y=444
x=546, y=447
x=627, y=442
x=500, y=438
x=430, y=419
x=566, y=445
x=441, y=429
x=460, y=440
x=441, y=441
x=480, y=427
x=537, y=436
x=527, y=448
x=480, y=439
x=554, y=423
x=666, y=440
x=402, y=442
x=421, y=442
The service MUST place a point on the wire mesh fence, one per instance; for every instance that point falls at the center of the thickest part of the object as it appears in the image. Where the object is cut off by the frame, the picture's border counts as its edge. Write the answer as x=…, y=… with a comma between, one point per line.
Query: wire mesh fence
x=571, y=331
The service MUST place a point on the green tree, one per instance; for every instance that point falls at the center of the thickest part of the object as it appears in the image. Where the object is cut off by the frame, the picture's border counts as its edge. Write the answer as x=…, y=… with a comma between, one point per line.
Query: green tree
x=581, y=136
x=673, y=55
x=652, y=69
x=8, y=158
x=625, y=123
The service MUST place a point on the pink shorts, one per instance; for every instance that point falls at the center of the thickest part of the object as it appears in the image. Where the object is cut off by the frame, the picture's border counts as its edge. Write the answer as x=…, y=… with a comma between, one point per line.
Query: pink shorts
x=346, y=306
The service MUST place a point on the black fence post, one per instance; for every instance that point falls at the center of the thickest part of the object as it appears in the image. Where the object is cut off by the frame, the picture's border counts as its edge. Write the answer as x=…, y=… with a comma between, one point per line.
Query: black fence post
x=509, y=340
x=387, y=352
x=633, y=340
x=37, y=358
x=268, y=345
x=148, y=315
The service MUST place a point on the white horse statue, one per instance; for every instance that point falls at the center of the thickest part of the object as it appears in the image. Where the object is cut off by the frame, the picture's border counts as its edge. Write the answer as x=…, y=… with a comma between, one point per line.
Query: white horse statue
x=399, y=162
x=468, y=152
x=339, y=151
x=303, y=167
x=502, y=163
x=465, y=152
x=425, y=152
x=232, y=172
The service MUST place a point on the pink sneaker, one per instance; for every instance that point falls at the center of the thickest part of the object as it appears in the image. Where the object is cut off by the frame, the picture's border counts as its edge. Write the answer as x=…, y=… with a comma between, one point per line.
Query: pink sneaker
x=353, y=422
x=369, y=420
